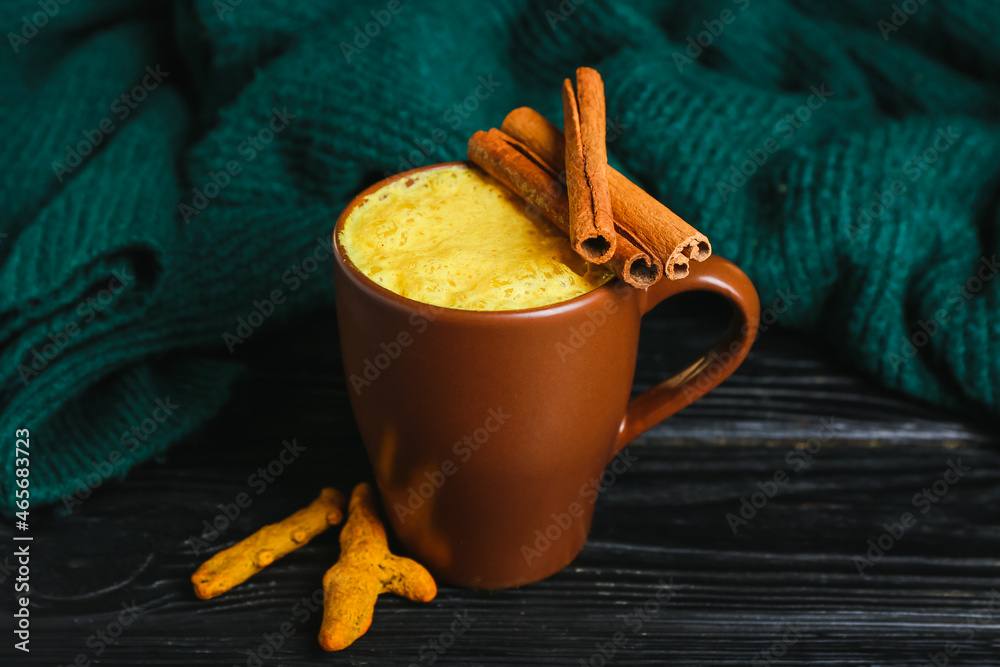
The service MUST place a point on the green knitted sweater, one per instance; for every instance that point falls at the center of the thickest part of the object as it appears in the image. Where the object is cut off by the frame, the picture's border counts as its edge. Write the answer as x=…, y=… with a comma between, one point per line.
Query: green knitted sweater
x=170, y=167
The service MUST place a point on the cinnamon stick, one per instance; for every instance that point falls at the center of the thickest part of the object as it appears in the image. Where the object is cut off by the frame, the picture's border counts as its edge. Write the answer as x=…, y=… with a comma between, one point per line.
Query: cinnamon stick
x=520, y=169
x=638, y=216
x=591, y=228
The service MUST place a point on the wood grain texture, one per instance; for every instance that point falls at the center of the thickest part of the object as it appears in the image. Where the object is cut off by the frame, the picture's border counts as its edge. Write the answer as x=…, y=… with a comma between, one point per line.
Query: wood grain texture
x=787, y=572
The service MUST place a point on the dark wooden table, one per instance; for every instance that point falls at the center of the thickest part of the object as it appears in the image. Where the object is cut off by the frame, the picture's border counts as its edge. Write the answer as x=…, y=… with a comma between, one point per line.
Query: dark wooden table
x=784, y=588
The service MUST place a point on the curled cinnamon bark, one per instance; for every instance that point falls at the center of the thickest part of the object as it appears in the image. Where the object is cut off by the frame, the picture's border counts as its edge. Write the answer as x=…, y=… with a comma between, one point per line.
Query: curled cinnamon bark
x=591, y=228
x=638, y=216
x=527, y=174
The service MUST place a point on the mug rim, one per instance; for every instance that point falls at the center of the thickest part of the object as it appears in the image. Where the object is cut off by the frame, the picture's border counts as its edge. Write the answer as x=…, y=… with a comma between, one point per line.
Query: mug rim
x=443, y=312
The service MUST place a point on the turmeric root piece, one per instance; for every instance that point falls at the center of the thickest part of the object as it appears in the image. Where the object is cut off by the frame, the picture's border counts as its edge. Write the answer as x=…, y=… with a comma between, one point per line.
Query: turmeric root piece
x=365, y=570
x=241, y=561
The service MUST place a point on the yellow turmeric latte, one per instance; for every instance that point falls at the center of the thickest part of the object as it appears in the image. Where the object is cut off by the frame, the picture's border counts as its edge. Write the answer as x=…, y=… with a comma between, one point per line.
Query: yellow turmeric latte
x=456, y=237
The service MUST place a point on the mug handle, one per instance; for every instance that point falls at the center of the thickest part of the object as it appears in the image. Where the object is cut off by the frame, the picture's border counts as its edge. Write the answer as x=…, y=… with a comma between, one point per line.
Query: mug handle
x=719, y=276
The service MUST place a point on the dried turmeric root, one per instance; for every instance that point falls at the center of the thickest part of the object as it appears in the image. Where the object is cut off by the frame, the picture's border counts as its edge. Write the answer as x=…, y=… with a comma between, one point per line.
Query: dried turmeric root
x=241, y=561
x=365, y=569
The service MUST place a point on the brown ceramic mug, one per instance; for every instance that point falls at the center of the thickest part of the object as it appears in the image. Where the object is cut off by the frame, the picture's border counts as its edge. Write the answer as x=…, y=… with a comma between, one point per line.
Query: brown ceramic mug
x=488, y=432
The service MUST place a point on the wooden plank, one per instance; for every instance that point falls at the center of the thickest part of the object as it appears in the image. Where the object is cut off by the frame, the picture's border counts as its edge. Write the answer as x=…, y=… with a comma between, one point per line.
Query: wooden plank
x=788, y=572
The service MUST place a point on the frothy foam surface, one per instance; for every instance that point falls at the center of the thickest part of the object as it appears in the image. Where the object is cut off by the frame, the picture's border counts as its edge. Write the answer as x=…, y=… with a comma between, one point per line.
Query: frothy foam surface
x=458, y=238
